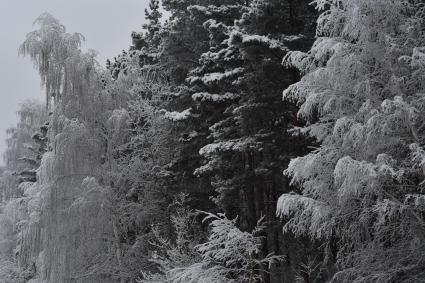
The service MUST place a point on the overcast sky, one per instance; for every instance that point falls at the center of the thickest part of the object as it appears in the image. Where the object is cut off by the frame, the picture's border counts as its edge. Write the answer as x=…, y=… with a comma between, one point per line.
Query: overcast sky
x=106, y=24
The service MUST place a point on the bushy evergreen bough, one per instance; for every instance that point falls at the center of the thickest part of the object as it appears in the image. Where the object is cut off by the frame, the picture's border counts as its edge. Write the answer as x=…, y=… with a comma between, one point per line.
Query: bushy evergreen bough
x=362, y=99
x=229, y=255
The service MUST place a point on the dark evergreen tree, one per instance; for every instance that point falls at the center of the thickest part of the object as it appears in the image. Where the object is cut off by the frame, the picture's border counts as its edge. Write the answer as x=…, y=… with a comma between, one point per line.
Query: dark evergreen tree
x=238, y=92
x=153, y=26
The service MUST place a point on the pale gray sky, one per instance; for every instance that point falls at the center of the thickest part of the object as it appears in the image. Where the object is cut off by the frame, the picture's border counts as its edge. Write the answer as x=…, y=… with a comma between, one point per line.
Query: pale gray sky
x=106, y=24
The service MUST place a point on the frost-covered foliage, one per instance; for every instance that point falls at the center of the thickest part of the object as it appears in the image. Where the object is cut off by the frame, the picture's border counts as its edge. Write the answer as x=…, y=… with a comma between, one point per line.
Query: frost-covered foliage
x=9, y=271
x=177, y=116
x=153, y=27
x=173, y=252
x=237, y=90
x=193, y=105
x=216, y=98
x=19, y=200
x=22, y=151
x=67, y=232
x=361, y=97
x=51, y=50
x=229, y=255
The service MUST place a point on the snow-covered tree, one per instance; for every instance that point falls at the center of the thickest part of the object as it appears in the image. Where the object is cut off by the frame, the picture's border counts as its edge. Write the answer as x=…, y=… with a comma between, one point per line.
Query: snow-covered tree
x=175, y=249
x=229, y=255
x=70, y=203
x=22, y=158
x=22, y=152
x=153, y=26
x=9, y=271
x=237, y=90
x=50, y=48
x=361, y=190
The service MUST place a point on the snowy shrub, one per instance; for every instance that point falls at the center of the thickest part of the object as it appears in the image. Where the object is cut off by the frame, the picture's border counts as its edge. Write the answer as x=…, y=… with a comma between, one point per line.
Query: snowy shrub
x=229, y=255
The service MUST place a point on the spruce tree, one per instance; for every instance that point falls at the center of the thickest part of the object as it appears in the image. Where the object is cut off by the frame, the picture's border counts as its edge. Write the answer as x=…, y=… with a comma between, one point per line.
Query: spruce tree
x=361, y=190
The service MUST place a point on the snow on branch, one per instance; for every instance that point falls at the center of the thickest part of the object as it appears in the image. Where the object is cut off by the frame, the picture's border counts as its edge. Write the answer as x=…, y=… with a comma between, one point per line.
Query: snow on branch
x=310, y=214
x=177, y=116
x=216, y=77
x=216, y=98
x=238, y=145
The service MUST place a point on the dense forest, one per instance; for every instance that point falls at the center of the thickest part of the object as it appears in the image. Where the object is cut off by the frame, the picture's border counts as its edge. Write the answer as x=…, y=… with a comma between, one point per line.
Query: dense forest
x=233, y=141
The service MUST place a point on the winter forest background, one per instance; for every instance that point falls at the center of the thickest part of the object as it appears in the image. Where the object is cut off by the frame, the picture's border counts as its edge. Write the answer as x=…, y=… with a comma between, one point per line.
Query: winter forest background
x=233, y=141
